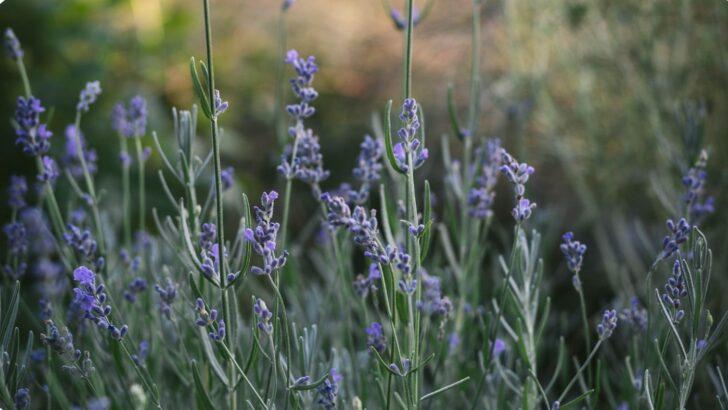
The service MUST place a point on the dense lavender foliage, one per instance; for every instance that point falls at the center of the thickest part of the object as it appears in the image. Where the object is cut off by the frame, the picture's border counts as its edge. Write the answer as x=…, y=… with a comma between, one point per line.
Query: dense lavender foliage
x=409, y=297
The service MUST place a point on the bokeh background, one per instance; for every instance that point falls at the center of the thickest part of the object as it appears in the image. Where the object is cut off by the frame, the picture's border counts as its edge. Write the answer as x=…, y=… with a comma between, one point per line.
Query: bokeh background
x=609, y=100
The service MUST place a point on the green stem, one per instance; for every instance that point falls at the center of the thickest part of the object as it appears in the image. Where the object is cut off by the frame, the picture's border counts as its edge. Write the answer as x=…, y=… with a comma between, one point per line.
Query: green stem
x=126, y=188
x=581, y=369
x=240, y=370
x=24, y=77
x=218, y=199
x=142, y=190
x=89, y=185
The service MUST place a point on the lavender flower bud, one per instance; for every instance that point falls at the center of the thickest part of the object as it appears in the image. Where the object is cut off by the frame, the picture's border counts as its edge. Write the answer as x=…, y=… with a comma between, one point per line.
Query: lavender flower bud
x=376, y=338
x=12, y=45
x=608, y=324
x=88, y=96
x=16, y=192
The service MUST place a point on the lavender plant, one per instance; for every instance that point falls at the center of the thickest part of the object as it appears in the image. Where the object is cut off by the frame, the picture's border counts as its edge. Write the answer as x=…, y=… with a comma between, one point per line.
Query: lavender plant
x=196, y=311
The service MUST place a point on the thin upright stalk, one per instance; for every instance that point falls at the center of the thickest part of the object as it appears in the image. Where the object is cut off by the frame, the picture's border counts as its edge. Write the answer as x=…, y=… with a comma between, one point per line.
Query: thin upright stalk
x=142, y=189
x=218, y=203
x=126, y=189
x=89, y=185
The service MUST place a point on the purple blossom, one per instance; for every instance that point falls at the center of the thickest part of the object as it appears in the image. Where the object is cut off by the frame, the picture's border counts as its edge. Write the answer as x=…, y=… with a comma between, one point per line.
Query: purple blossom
x=635, y=315
x=574, y=253
x=376, y=338
x=329, y=390
x=12, y=45
x=88, y=96
x=21, y=400
x=167, y=295
x=263, y=237
x=138, y=116
x=33, y=137
x=210, y=319
x=698, y=205
x=678, y=235
x=208, y=234
x=17, y=238
x=518, y=174
x=409, y=144
x=363, y=285
x=49, y=172
x=226, y=175
x=400, y=22
x=368, y=169
x=433, y=303
x=675, y=291
x=301, y=85
x=482, y=195
x=307, y=165
x=136, y=286
x=70, y=158
x=498, y=347
x=220, y=105
x=60, y=341
x=120, y=121
x=130, y=121
x=81, y=241
x=91, y=299
x=608, y=324
x=263, y=315
x=16, y=192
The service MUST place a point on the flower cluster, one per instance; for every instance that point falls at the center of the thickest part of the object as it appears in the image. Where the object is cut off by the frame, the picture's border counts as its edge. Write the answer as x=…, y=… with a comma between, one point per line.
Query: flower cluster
x=301, y=84
x=263, y=315
x=17, y=238
x=70, y=157
x=132, y=121
x=433, y=303
x=12, y=45
x=263, y=237
x=362, y=224
x=91, y=298
x=16, y=192
x=367, y=171
x=49, y=172
x=33, y=136
x=227, y=178
x=409, y=143
x=329, y=390
x=81, y=241
x=698, y=205
x=60, y=341
x=220, y=106
x=167, y=295
x=606, y=327
x=635, y=315
x=675, y=291
x=303, y=160
x=518, y=174
x=206, y=319
x=22, y=398
x=363, y=285
x=136, y=286
x=574, y=253
x=375, y=337
x=482, y=195
x=211, y=261
x=678, y=235
x=88, y=96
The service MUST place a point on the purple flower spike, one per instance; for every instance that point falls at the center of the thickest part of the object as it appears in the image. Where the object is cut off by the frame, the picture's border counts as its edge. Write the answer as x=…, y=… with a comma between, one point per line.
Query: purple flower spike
x=88, y=96
x=12, y=45
x=263, y=236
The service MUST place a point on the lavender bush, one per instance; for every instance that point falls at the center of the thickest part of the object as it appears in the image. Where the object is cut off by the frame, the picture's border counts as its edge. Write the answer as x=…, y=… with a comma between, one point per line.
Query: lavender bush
x=411, y=297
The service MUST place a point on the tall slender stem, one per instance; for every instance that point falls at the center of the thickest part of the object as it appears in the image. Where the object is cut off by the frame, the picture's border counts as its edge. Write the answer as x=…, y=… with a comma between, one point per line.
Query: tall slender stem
x=142, y=189
x=89, y=185
x=126, y=188
x=218, y=199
